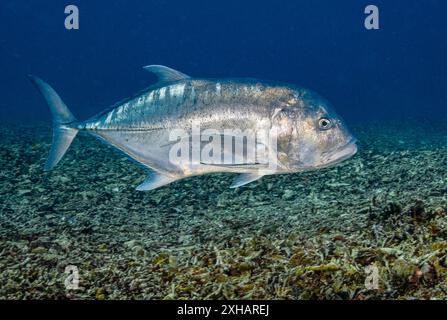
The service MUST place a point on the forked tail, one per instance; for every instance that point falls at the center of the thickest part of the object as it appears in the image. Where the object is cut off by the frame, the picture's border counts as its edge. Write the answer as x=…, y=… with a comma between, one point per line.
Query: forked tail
x=63, y=120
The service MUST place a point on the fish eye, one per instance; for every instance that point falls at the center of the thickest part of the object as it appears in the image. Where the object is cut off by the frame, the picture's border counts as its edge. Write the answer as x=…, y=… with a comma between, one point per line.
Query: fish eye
x=325, y=124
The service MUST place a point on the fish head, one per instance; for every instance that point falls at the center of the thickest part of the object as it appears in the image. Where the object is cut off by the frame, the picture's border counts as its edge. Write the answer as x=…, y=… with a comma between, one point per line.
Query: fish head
x=319, y=137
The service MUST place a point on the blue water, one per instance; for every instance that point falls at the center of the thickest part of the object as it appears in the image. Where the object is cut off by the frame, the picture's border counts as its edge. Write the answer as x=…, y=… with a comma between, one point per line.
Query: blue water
x=393, y=73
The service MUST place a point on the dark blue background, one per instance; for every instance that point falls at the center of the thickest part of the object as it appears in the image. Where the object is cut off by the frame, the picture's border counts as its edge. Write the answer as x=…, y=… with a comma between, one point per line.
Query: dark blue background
x=396, y=72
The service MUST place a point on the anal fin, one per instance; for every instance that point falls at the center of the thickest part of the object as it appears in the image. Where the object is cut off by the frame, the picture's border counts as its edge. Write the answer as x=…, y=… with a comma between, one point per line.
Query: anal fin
x=245, y=178
x=155, y=180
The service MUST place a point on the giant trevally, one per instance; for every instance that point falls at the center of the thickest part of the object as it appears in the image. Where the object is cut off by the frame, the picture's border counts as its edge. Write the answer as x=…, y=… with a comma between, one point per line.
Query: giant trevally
x=154, y=127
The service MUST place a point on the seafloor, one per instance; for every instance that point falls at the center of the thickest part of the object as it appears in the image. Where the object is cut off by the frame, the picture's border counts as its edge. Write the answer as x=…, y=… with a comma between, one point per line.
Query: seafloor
x=298, y=236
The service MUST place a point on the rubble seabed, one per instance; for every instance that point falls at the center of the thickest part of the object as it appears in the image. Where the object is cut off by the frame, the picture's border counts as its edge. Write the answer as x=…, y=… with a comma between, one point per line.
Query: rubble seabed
x=297, y=236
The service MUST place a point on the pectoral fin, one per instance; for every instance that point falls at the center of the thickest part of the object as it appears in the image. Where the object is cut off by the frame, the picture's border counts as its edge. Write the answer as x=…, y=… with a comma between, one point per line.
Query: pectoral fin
x=155, y=180
x=245, y=178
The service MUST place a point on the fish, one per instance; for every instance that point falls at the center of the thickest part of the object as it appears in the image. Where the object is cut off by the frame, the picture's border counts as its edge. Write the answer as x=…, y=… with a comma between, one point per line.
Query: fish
x=182, y=126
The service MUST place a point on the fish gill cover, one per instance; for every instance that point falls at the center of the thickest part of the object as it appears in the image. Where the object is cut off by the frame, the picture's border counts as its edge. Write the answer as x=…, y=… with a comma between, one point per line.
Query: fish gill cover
x=358, y=211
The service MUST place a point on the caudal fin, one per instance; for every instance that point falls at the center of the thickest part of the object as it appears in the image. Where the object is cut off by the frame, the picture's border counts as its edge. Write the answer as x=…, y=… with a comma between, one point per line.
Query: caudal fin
x=63, y=119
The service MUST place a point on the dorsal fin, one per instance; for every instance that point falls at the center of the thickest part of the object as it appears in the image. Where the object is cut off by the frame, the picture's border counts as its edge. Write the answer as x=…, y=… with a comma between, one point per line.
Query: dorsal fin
x=165, y=74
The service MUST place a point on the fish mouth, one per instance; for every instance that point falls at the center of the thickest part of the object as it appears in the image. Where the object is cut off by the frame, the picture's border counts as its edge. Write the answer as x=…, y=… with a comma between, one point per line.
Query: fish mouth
x=341, y=153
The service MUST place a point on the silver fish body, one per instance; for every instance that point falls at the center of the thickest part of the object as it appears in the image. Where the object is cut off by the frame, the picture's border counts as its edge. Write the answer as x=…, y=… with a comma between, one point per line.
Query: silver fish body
x=307, y=133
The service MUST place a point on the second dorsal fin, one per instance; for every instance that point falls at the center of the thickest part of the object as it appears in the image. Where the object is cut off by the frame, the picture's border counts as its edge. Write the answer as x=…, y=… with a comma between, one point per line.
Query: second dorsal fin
x=165, y=74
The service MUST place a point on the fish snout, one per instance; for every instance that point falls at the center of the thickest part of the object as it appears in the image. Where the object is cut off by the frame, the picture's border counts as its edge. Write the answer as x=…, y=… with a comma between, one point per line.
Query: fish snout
x=339, y=154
